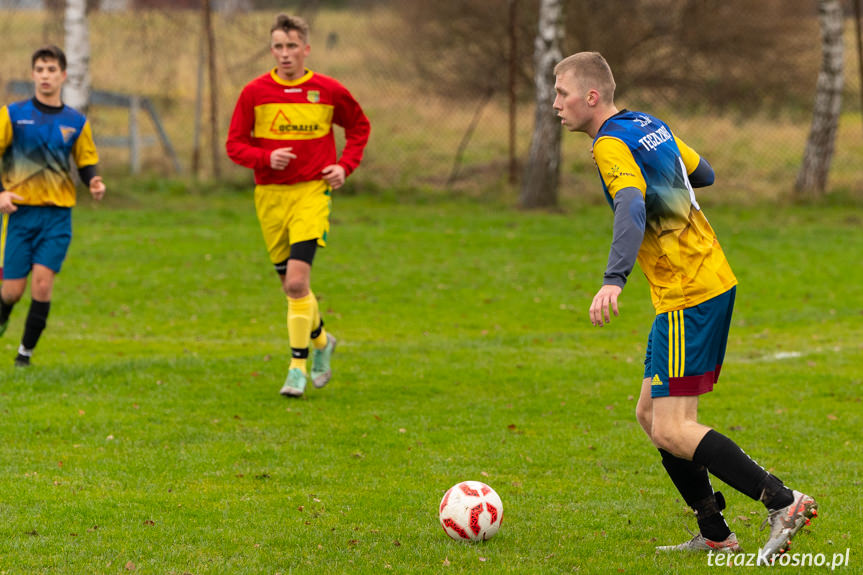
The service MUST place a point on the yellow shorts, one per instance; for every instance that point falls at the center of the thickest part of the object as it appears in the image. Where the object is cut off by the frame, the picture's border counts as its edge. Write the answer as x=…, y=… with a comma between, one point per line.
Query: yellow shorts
x=293, y=214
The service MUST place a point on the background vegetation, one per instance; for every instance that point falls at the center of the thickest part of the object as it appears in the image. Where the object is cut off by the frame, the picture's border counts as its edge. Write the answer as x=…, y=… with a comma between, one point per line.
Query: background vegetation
x=734, y=79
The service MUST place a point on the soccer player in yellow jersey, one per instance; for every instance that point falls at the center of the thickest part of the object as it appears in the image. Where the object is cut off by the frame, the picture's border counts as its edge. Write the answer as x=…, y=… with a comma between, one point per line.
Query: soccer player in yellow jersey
x=37, y=192
x=282, y=128
x=648, y=176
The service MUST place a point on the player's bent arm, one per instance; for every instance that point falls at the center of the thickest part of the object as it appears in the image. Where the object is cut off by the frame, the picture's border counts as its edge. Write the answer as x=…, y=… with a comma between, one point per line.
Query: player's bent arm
x=5, y=135
x=5, y=129
x=87, y=173
x=239, y=143
x=91, y=178
x=629, y=220
x=87, y=159
x=350, y=116
x=84, y=150
x=699, y=170
x=703, y=175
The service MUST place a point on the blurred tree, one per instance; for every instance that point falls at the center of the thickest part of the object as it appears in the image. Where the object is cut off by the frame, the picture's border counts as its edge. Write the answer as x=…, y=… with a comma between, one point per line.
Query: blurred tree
x=461, y=48
x=76, y=90
x=733, y=55
x=812, y=178
x=541, y=178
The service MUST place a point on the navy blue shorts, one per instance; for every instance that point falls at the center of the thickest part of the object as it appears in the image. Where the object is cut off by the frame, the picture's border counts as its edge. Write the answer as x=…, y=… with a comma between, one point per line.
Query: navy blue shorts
x=686, y=347
x=35, y=235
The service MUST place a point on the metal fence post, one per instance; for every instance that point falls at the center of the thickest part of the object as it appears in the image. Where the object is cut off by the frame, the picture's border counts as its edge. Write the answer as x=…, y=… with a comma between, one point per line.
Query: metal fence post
x=134, y=135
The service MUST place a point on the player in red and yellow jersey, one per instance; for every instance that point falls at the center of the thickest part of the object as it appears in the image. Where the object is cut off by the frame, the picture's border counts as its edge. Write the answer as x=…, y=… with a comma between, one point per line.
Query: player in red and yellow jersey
x=648, y=176
x=282, y=128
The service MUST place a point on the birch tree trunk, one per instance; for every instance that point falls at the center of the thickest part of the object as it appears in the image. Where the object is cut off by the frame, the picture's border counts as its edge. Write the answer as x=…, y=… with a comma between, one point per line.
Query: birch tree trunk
x=542, y=174
x=76, y=90
x=216, y=149
x=812, y=179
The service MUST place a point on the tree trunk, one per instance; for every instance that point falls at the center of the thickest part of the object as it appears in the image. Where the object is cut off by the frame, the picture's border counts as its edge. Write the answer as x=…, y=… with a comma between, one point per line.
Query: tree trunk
x=76, y=90
x=215, y=140
x=812, y=179
x=513, y=99
x=542, y=175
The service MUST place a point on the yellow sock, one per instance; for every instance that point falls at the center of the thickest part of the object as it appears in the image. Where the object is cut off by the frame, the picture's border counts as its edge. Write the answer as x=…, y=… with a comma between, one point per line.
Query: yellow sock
x=319, y=340
x=300, y=315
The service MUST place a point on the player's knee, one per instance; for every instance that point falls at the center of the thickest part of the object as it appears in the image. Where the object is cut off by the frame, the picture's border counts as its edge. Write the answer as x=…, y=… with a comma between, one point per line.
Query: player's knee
x=41, y=292
x=666, y=437
x=12, y=293
x=12, y=297
x=296, y=288
x=665, y=442
x=644, y=416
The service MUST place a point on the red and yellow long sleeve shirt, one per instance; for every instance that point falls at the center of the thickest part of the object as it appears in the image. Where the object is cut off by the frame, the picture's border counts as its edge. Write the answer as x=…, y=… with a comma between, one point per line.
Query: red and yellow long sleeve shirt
x=272, y=113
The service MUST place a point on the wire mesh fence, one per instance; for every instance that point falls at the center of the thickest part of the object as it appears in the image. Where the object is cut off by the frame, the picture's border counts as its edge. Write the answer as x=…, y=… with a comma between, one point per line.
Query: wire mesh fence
x=436, y=84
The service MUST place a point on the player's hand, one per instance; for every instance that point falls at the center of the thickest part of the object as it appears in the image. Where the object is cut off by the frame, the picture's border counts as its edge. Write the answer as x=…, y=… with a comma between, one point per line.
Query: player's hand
x=97, y=188
x=334, y=175
x=604, y=300
x=281, y=157
x=6, y=205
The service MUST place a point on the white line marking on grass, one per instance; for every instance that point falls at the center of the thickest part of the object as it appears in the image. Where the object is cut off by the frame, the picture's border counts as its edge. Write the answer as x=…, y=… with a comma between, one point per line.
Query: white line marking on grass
x=785, y=355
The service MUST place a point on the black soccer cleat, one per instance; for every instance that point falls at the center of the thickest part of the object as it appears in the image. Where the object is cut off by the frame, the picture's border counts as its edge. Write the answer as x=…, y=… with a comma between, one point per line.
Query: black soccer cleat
x=22, y=360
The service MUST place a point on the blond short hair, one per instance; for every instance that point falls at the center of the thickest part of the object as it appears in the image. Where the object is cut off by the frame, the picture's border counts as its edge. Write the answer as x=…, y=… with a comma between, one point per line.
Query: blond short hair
x=286, y=23
x=591, y=71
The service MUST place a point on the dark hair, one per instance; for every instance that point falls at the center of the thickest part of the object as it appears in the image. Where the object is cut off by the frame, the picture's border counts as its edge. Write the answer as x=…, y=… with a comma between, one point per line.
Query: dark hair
x=287, y=23
x=51, y=52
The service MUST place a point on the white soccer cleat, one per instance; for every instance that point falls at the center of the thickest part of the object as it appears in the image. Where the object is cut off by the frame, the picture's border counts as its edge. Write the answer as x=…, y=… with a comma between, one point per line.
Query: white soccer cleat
x=785, y=523
x=701, y=543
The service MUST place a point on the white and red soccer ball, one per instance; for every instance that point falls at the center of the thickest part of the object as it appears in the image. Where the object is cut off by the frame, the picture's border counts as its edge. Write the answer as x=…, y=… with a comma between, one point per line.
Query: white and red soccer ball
x=471, y=511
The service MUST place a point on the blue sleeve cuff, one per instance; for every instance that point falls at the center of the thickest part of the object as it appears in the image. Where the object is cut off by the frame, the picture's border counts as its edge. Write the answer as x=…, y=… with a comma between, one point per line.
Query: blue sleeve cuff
x=702, y=175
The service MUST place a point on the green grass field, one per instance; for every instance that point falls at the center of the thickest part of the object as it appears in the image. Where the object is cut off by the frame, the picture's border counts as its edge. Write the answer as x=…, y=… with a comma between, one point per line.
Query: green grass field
x=149, y=435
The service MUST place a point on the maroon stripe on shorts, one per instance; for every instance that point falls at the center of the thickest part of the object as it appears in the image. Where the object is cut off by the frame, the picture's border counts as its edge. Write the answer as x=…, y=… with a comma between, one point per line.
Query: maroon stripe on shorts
x=692, y=384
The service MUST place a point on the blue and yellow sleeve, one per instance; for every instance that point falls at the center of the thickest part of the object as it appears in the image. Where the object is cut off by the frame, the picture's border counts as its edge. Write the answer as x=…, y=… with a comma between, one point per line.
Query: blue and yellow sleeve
x=617, y=166
x=5, y=135
x=691, y=159
x=84, y=152
x=5, y=129
x=698, y=169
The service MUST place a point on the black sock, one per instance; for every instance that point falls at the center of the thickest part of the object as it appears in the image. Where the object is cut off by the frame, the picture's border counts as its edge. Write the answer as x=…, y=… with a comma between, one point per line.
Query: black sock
x=774, y=494
x=724, y=459
x=5, y=310
x=693, y=483
x=37, y=318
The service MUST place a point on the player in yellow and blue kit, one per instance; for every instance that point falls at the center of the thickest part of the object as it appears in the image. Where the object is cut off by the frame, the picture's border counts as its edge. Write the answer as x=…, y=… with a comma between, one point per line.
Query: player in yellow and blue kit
x=37, y=192
x=648, y=176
